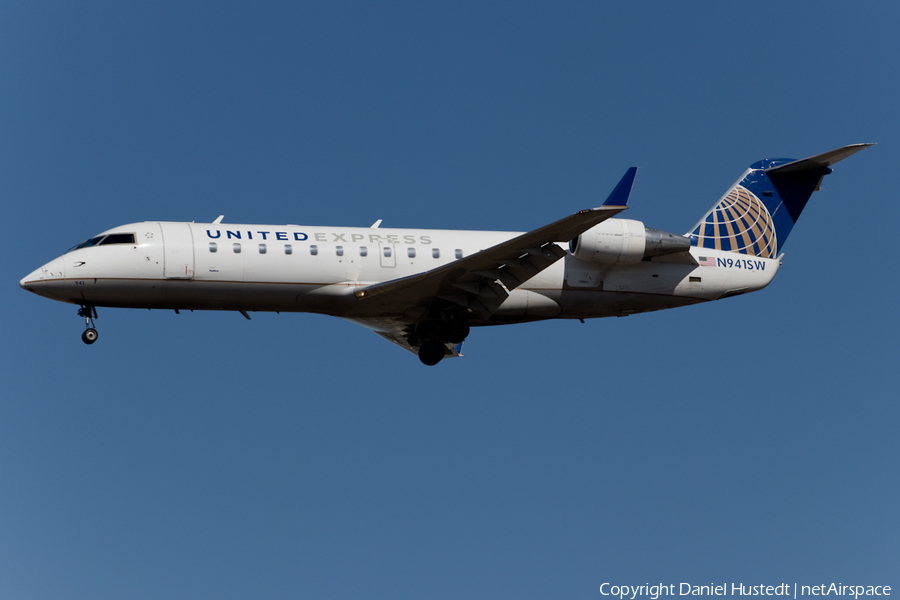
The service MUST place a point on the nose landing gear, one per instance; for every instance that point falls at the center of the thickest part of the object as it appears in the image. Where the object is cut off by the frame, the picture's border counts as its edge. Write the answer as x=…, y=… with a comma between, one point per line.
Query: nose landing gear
x=90, y=334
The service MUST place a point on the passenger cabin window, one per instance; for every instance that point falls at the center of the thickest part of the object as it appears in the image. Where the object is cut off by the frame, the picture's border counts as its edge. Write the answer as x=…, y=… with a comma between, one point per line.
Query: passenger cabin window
x=313, y=249
x=236, y=247
x=411, y=252
x=262, y=248
x=387, y=251
x=288, y=249
x=363, y=251
x=339, y=250
x=213, y=247
x=458, y=253
x=435, y=253
x=118, y=238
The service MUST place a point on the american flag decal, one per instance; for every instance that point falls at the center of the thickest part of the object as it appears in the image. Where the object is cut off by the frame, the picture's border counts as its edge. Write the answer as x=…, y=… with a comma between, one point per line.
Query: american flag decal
x=707, y=261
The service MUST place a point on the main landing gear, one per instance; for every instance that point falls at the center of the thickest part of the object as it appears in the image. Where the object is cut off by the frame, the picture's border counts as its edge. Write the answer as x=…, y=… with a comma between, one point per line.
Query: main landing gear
x=90, y=334
x=431, y=352
x=433, y=335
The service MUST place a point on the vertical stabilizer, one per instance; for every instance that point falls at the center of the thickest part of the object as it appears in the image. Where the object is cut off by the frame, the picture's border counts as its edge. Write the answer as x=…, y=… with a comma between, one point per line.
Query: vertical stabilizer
x=756, y=215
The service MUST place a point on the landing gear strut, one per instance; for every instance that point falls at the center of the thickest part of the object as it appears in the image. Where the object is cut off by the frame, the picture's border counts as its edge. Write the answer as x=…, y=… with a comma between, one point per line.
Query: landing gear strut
x=89, y=313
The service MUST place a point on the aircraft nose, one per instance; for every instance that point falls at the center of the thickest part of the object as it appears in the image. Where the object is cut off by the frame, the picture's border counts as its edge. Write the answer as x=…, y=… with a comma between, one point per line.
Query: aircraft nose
x=55, y=269
x=32, y=278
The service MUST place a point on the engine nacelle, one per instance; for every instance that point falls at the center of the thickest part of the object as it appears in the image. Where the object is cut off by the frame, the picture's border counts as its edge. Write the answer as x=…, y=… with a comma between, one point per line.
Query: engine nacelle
x=626, y=242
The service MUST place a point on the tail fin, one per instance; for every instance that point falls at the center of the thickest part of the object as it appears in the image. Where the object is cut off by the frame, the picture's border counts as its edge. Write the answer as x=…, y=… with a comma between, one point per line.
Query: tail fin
x=756, y=215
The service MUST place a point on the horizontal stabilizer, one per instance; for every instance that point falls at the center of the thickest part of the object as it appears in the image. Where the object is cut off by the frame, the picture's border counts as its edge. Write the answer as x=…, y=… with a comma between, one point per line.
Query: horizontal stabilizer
x=819, y=161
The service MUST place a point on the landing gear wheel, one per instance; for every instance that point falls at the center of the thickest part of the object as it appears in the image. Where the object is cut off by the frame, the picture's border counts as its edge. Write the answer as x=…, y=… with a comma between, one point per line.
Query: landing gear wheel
x=431, y=353
x=457, y=331
x=89, y=313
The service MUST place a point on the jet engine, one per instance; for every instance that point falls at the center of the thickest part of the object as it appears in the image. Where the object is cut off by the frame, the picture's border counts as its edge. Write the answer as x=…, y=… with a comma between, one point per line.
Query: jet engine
x=625, y=242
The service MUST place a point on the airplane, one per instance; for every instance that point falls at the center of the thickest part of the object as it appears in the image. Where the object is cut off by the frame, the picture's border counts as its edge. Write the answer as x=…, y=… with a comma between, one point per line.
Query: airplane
x=424, y=289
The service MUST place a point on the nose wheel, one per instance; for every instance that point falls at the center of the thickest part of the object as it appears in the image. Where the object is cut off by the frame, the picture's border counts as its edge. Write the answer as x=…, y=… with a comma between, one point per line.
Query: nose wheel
x=90, y=334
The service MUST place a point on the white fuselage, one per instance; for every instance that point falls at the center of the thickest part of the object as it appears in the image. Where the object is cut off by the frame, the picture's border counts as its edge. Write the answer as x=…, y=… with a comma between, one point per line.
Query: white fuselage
x=291, y=268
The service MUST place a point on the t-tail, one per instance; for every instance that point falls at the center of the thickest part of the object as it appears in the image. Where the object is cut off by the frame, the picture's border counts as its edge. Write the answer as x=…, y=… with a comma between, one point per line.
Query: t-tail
x=757, y=214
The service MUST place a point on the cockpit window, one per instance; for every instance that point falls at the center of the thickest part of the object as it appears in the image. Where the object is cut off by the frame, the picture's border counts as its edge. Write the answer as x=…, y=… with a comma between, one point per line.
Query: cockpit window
x=118, y=238
x=103, y=240
x=87, y=244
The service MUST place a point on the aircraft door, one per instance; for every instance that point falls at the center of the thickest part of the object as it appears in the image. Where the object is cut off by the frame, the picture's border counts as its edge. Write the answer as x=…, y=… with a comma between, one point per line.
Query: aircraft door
x=178, y=244
x=388, y=253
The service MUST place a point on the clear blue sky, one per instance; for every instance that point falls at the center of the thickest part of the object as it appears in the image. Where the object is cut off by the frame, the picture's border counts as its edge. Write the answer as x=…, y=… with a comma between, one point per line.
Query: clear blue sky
x=295, y=456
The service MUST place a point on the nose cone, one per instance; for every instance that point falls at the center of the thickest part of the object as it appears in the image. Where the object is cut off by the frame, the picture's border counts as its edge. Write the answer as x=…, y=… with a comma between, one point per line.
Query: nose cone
x=55, y=269
x=28, y=282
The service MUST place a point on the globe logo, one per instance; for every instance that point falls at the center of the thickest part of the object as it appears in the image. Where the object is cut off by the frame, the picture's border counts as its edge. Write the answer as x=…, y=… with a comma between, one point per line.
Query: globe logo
x=740, y=222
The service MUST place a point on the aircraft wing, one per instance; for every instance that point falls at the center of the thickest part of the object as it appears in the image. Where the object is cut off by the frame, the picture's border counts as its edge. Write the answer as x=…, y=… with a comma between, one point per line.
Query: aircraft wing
x=482, y=281
x=475, y=282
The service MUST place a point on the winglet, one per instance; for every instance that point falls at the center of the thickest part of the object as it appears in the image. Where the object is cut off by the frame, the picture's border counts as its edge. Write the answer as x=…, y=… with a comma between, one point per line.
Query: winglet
x=619, y=195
